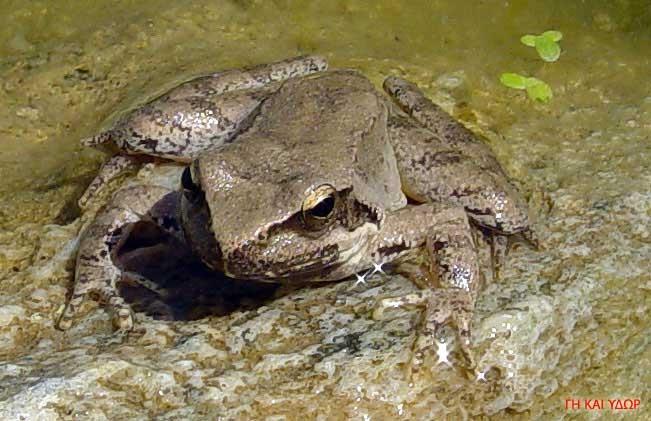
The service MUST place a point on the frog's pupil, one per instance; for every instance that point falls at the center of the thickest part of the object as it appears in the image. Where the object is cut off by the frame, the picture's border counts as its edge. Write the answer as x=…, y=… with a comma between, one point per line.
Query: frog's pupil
x=323, y=208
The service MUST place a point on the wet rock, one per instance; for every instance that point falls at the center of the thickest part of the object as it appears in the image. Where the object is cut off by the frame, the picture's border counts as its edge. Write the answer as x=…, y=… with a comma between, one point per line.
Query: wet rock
x=319, y=350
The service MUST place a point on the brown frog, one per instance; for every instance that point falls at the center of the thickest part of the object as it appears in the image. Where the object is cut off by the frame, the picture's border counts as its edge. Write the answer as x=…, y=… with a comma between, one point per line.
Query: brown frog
x=298, y=174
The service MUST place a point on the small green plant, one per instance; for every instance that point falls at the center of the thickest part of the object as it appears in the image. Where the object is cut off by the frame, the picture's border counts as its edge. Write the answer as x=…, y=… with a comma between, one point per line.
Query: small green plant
x=546, y=45
x=537, y=90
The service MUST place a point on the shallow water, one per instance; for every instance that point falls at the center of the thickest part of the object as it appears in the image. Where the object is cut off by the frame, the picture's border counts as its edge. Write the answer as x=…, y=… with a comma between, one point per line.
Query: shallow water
x=68, y=70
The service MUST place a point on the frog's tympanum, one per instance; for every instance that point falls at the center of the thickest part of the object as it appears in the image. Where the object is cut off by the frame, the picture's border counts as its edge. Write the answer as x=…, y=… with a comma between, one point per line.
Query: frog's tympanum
x=301, y=174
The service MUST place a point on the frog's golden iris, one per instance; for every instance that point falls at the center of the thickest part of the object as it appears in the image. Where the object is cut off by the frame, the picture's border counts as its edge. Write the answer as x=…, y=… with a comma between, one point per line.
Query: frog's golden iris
x=319, y=207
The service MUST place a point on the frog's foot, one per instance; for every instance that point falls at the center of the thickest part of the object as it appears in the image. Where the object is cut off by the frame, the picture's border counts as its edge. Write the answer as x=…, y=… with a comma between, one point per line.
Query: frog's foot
x=107, y=293
x=499, y=251
x=110, y=170
x=441, y=306
x=531, y=238
x=96, y=276
x=500, y=245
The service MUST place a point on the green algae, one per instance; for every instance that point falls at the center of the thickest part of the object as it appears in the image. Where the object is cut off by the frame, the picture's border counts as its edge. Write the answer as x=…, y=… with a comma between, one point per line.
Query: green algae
x=67, y=69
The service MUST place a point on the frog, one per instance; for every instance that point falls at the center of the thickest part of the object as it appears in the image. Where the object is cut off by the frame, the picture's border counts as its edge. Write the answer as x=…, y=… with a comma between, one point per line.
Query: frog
x=295, y=173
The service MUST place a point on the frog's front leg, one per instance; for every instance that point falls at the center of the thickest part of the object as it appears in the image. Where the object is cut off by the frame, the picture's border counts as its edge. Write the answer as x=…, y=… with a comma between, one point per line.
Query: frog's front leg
x=96, y=274
x=110, y=170
x=445, y=233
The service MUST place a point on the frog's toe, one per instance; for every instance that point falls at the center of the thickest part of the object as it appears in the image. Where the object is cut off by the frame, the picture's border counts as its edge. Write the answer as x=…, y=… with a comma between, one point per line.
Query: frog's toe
x=65, y=320
x=123, y=319
x=409, y=300
x=122, y=313
x=70, y=311
x=429, y=342
x=456, y=306
x=532, y=238
x=499, y=250
x=97, y=140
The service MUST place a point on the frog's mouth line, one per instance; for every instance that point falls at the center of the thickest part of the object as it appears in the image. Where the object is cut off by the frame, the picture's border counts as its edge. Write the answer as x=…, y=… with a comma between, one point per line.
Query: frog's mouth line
x=345, y=260
x=331, y=260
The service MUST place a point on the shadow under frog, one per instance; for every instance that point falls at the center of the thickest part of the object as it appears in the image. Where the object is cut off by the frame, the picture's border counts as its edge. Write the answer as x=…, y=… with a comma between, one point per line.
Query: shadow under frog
x=164, y=279
x=301, y=175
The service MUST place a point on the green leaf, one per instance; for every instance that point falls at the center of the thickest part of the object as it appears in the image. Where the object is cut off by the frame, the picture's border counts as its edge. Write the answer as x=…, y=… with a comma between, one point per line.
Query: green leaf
x=538, y=90
x=513, y=80
x=529, y=40
x=547, y=49
x=553, y=35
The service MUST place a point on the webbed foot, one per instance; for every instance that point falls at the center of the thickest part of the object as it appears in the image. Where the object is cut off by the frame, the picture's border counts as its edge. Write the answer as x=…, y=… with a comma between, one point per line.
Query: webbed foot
x=453, y=262
x=441, y=306
x=104, y=291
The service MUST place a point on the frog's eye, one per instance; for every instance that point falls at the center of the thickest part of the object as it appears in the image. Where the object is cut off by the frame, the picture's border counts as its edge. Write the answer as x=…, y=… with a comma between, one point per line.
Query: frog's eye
x=318, y=208
x=190, y=189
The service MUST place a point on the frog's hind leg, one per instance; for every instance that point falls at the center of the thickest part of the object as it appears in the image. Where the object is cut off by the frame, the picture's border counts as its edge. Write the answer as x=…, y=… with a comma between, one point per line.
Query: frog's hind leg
x=450, y=164
x=432, y=172
x=110, y=170
x=203, y=113
x=96, y=274
x=248, y=78
x=450, y=132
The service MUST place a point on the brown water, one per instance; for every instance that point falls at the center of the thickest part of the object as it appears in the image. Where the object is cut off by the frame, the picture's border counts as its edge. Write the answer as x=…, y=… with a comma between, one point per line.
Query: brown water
x=67, y=68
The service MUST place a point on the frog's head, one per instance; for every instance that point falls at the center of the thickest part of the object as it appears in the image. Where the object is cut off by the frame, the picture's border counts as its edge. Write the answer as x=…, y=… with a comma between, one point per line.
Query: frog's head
x=253, y=238
x=295, y=200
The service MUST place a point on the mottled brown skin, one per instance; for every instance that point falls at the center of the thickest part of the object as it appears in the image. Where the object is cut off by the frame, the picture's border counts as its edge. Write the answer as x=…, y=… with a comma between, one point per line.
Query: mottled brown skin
x=313, y=187
x=202, y=113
